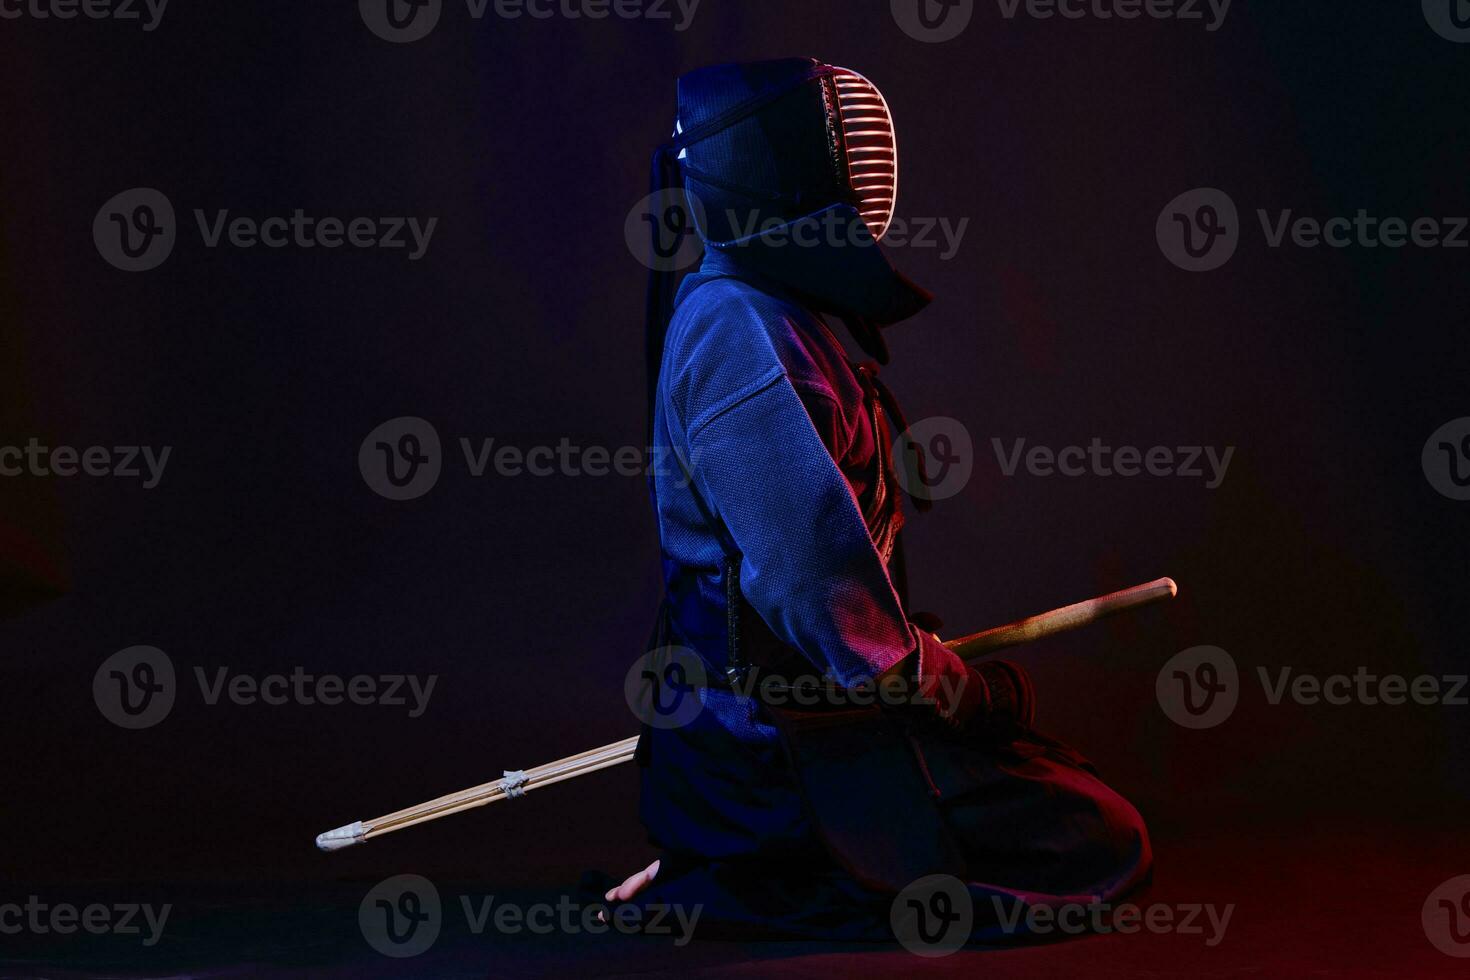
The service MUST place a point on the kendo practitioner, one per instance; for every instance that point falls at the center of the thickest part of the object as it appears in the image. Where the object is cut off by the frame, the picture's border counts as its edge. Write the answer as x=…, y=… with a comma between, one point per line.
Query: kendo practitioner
x=779, y=509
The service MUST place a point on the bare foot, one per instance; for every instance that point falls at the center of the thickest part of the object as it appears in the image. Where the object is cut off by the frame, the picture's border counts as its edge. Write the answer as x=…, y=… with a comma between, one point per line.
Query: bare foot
x=633, y=885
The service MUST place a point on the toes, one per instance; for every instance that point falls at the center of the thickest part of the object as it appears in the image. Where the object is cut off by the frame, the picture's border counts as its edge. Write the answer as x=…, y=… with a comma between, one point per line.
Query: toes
x=633, y=885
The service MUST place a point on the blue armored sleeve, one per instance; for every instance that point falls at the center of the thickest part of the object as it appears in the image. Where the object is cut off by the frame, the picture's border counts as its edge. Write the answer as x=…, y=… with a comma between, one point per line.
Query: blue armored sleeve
x=745, y=393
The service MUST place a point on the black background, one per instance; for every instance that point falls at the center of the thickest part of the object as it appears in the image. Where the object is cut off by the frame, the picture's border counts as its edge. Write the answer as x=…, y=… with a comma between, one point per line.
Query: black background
x=1059, y=320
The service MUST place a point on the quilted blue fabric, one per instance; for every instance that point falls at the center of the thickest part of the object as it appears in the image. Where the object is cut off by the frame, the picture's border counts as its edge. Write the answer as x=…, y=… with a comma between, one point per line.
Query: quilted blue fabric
x=758, y=410
x=765, y=444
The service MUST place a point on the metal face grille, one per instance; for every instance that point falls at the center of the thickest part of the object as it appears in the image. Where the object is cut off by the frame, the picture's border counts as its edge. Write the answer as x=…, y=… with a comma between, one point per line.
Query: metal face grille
x=872, y=148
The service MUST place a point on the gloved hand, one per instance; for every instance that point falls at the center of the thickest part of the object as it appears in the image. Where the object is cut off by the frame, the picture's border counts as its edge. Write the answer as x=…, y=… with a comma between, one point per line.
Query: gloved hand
x=993, y=699
x=1011, y=699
